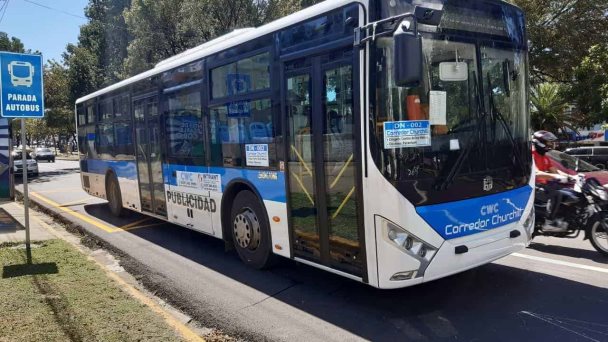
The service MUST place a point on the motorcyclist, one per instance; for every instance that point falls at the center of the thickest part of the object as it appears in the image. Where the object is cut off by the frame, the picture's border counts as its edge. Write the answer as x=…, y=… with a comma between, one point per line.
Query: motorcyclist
x=548, y=175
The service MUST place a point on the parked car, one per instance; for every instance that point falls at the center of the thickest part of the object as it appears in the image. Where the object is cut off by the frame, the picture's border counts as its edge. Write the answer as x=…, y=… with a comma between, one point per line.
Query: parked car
x=32, y=164
x=568, y=164
x=44, y=153
x=596, y=155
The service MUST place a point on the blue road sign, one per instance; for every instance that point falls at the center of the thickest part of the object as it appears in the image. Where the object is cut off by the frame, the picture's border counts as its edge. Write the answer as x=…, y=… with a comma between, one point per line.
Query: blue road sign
x=21, y=85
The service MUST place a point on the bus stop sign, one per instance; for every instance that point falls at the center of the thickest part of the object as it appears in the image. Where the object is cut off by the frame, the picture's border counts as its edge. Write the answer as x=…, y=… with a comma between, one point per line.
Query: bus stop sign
x=21, y=85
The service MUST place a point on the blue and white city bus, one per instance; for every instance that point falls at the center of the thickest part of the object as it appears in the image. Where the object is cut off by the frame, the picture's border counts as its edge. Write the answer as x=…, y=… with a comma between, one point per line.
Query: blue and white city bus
x=384, y=141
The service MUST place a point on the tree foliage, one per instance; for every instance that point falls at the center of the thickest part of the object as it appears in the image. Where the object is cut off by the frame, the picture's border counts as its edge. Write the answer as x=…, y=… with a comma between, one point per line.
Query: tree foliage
x=548, y=107
x=59, y=115
x=590, y=91
x=561, y=32
x=97, y=60
x=11, y=44
x=163, y=28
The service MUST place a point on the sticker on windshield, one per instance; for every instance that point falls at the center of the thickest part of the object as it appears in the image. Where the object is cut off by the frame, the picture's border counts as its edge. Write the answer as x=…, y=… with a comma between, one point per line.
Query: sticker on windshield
x=400, y=134
x=437, y=104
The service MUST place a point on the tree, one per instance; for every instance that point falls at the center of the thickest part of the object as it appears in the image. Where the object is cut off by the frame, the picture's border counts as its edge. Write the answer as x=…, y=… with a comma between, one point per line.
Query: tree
x=12, y=44
x=590, y=91
x=561, y=33
x=164, y=28
x=59, y=115
x=548, y=107
x=158, y=31
x=97, y=59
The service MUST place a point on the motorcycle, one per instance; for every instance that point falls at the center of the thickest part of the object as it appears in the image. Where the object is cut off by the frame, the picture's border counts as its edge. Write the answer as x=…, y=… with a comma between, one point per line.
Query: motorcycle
x=584, y=207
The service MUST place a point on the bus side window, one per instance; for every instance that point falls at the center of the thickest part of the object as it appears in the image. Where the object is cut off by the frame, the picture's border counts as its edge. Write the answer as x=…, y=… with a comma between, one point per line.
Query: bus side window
x=91, y=114
x=105, y=139
x=249, y=122
x=123, y=139
x=81, y=115
x=184, y=124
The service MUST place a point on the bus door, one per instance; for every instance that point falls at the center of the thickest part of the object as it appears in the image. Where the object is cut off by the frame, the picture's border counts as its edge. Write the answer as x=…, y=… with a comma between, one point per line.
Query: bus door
x=322, y=161
x=148, y=152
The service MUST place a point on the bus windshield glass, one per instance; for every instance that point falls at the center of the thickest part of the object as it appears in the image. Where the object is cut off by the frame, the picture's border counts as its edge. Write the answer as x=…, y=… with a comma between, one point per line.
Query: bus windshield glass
x=471, y=106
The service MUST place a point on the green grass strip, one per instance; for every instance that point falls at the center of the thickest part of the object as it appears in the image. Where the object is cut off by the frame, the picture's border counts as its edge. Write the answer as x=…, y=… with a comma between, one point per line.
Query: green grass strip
x=62, y=296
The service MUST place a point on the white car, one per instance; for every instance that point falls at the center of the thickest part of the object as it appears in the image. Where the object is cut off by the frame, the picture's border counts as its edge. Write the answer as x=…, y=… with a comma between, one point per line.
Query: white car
x=44, y=153
x=32, y=164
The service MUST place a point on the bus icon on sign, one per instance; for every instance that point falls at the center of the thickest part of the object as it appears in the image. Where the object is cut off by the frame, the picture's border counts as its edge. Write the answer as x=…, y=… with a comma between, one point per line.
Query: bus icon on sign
x=21, y=73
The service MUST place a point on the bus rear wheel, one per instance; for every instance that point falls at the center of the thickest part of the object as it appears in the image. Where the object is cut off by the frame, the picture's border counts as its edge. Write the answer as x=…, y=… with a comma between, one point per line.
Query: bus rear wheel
x=114, y=197
x=251, y=230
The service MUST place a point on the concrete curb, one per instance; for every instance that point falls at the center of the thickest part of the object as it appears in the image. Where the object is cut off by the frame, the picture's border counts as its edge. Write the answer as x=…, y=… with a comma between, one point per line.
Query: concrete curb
x=145, y=275
x=131, y=266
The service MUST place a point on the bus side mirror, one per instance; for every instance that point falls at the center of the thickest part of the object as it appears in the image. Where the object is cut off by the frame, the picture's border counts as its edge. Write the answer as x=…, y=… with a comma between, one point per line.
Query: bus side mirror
x=407, y=49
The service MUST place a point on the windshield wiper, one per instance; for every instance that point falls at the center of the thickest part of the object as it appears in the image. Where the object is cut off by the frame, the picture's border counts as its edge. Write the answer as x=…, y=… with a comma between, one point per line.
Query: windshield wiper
x=463, y=155
x=497, y=114
x=455, y=169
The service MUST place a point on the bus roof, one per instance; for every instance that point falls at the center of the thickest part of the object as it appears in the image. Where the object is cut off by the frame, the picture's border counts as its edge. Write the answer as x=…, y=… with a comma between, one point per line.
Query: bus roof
x=224, y=42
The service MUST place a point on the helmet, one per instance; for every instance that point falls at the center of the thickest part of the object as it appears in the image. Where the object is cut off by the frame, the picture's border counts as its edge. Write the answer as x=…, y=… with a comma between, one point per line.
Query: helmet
x=542, y=141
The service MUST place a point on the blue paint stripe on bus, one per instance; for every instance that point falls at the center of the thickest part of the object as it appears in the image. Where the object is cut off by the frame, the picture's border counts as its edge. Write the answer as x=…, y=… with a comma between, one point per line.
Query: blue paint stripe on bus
x=461, y=218
x=270, y=184
x=122, y=168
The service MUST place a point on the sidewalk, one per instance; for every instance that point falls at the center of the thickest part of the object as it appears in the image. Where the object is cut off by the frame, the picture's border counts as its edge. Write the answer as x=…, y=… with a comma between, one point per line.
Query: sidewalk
x=16, y=233
x=64, y=156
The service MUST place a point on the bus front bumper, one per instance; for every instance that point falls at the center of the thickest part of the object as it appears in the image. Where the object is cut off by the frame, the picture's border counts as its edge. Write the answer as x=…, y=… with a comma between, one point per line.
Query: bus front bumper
x=452, y=257
x=465, y=253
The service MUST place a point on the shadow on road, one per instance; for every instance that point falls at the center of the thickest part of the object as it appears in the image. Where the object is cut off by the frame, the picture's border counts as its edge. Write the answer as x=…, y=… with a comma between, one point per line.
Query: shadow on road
x=570, y=251
x=492, y=302
x=47, y=176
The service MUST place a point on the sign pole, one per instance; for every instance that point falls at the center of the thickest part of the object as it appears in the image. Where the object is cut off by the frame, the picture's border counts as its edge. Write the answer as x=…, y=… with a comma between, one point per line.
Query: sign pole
x=26, y=204
x=22, y=96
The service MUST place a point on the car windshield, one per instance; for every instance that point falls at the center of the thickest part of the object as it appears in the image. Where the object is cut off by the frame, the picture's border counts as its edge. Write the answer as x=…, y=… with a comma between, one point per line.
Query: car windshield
x=569, y=162
x=17, y=155
x=43, y=150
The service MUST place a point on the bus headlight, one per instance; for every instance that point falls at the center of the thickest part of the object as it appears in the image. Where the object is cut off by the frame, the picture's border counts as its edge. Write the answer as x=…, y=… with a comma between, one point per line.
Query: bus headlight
x=412, y=246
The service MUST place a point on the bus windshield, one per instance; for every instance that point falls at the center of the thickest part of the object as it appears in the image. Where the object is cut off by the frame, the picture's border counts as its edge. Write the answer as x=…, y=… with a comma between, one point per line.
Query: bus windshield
x=473, y=99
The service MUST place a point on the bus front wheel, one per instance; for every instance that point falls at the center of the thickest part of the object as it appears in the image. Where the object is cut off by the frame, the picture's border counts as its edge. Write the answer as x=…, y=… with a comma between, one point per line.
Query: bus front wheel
x=251, y=230
x=114, y=196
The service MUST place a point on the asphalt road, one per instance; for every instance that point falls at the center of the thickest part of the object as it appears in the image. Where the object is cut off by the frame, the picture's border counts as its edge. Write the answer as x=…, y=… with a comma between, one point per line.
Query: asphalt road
x=556, y=290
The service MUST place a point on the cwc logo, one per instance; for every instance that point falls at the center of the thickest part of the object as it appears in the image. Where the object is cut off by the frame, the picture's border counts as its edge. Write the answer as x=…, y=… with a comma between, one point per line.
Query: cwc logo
x=491, y=217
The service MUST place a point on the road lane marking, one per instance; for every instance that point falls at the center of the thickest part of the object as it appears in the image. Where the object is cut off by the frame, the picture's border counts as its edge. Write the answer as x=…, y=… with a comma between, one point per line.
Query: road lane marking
x=127, y=226
x=561, y=263
x=186, y=332
x=80, y=216
x=563, y=323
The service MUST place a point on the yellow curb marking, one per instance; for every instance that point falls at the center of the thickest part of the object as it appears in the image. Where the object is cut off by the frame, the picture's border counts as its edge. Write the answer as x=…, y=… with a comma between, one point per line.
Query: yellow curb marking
x=79, y=216
x=187, y=333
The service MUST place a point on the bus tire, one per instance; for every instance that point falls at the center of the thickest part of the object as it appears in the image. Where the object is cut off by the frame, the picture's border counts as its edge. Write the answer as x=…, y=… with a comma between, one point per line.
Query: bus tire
x=114, y=196
x=251, y=230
